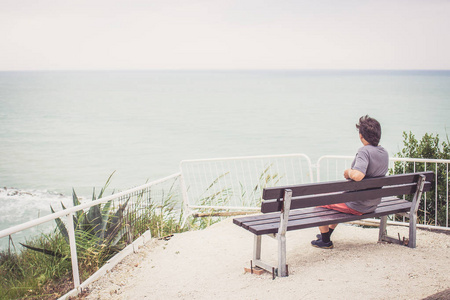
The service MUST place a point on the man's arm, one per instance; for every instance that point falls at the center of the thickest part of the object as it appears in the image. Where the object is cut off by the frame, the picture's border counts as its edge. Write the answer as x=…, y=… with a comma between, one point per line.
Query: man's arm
x=354, y=174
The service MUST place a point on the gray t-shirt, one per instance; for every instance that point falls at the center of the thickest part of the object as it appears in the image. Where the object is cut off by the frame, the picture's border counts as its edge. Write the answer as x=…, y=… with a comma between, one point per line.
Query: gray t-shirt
x=373, y=161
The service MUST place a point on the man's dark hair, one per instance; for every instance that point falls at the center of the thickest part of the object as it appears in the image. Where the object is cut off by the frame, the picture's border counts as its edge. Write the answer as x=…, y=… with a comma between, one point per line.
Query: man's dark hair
x=370, y=129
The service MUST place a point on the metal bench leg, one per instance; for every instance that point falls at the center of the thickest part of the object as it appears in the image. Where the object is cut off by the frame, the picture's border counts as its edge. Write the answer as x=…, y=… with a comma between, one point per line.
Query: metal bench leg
x=281, y=236
x=412, y=230
x=413, y=212
x=383, y=232
x=257, y=248
x=257, y=262
x=282, y=270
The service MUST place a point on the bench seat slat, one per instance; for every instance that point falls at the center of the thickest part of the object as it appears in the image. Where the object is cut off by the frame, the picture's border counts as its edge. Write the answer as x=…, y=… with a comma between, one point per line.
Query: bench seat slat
x=304, y=213
x=329, y=219
x=318, y=212
x=239, y=221
x=250, y=218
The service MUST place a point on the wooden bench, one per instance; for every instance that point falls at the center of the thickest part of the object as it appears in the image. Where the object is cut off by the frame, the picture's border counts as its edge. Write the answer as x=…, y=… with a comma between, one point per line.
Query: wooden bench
x=295, y=207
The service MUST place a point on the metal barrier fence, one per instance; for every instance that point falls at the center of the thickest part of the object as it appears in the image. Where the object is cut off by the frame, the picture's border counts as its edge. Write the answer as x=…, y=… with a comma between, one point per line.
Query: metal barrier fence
x=234, y=184
x=434, y=209
x=237, y=183
x=135, y=205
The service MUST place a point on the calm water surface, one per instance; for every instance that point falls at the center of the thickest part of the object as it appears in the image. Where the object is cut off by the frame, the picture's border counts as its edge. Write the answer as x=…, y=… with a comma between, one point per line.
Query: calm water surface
x=64, y=130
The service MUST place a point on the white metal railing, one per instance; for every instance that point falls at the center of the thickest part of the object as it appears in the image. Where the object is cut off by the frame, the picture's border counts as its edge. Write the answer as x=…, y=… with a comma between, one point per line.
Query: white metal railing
x=134, y=196
x=331, y=167
x=236, y=183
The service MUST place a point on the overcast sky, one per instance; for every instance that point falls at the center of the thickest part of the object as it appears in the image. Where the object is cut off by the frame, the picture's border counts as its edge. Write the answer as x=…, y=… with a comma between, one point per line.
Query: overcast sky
x=224, y=34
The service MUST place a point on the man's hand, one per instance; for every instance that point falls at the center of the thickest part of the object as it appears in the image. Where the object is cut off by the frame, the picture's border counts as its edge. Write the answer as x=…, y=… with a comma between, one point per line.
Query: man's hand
x=346, y=174
x=354, y=174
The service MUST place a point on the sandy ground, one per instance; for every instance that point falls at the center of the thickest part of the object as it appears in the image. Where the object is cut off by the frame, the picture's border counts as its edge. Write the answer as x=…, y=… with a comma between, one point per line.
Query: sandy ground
x=210, y=264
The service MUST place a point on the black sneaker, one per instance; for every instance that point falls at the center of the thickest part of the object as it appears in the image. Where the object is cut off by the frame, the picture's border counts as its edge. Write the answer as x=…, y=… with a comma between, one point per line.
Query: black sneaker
x=322, y=244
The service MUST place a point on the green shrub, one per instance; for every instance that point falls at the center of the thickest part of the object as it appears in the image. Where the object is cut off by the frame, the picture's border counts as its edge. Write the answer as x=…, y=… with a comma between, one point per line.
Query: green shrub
x=29, y=274
x=435, y=202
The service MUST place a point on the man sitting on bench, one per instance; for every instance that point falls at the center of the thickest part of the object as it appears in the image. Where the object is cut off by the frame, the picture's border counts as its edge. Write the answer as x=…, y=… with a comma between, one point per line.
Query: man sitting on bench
x=371, y=160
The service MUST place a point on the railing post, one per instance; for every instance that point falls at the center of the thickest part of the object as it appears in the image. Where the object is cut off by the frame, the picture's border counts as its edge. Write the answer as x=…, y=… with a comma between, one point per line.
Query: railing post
x=187, y=210
x=318, y=170
x=73, y=250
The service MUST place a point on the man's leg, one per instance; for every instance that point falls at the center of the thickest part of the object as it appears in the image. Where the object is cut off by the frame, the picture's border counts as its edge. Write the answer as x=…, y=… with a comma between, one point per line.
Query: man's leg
x=323, y=240
x=326, y=231
x=326, y=228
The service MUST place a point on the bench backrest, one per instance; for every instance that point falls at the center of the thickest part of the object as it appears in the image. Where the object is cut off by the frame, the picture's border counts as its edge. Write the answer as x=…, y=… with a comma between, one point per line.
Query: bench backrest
x=315, y=194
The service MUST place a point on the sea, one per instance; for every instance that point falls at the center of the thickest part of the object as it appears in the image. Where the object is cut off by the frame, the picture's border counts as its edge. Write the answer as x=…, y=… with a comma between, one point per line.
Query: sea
x=64, y=130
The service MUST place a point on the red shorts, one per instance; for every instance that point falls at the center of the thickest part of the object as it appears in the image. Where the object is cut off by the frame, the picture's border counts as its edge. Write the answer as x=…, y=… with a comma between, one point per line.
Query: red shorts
x=342, y=207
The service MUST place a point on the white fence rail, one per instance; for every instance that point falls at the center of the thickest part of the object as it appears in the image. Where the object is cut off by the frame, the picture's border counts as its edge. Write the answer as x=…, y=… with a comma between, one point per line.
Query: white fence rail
x=435, y=204
x=237, y=183
x=138, y=201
